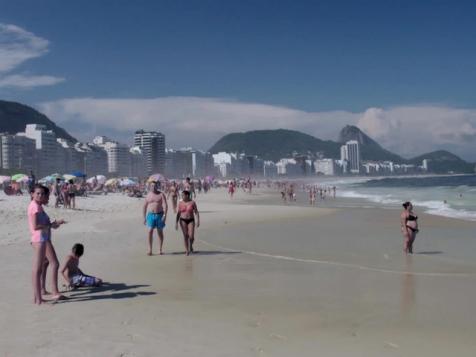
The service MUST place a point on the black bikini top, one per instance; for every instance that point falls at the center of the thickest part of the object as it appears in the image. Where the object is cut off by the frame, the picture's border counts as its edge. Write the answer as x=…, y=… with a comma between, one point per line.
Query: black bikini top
x=412, y=218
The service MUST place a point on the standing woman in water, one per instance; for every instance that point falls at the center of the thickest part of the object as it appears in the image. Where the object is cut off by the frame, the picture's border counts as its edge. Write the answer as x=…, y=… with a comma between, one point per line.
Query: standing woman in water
x=187, y=210
x=409, y=226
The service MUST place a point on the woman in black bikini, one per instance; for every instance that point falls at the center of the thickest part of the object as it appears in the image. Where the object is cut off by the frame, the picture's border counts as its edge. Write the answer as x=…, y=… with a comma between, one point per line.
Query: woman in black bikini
x=409, y=225
x=187, y=210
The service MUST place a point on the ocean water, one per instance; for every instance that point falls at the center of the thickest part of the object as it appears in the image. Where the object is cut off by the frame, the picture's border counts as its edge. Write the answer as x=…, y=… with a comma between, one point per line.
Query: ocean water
x=449, y=196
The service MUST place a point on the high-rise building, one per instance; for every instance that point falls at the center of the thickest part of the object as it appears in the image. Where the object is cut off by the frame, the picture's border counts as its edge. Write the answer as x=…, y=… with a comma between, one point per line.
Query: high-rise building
x=353, y=156
x=152, y=144
x=95, y=159
x=118, y=159
x=17, y=152
x=269, y=169
x=188, y=162
x=344, y=155
x=46, y=145
x=137, y=162
x=350, y=157
x=325, y=167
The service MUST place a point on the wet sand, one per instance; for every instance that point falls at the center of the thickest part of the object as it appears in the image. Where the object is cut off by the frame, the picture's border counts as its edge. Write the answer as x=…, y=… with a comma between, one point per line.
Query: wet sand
x=269, y=280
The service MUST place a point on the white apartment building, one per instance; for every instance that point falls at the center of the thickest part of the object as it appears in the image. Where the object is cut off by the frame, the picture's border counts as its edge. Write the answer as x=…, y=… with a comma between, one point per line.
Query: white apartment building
x=152, y=144
x=288, y=167
x=269, y=169
x=118, y=159
x=45, y=141
x=350, y=152
x=17, y=152
x=95, y=159
x=137, y=168
x=353, y=152
x=227, y=164
x=325, y=167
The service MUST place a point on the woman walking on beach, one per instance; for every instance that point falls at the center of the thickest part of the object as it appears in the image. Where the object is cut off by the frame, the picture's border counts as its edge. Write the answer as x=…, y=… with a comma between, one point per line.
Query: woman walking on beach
x=72, y=194
x=187, y=210
x=409, y=226
x=173, y=193
x=40, y=229
x=231, y=188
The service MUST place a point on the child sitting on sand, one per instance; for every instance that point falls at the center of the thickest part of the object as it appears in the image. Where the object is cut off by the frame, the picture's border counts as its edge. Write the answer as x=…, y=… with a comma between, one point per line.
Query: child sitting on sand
x=72, y=274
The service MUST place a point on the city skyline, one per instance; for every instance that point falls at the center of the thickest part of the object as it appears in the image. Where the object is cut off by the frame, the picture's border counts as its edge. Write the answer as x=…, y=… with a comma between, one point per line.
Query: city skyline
x=196, y=71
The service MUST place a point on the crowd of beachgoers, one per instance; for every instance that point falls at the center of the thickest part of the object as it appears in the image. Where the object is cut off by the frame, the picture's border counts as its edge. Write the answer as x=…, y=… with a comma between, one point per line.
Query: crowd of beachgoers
x=156, y=191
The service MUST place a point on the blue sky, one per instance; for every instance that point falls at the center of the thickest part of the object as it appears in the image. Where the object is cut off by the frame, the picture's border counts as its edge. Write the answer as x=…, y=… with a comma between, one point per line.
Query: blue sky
x=303, y=57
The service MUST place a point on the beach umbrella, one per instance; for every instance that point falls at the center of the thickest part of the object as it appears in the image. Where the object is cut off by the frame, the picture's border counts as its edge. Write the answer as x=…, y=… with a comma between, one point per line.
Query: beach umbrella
x=127, y=182
x=101, y=179
x=110, y=182
x=90, y=180
x=47, y=179
x=157, y=177
x=69, y=177
x=56, y=175
x=78, y=174
x=19, y=177
x=4, y=179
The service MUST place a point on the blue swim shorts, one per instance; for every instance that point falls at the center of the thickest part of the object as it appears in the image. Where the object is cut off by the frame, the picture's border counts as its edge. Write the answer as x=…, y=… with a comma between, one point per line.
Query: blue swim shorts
x=154, y=220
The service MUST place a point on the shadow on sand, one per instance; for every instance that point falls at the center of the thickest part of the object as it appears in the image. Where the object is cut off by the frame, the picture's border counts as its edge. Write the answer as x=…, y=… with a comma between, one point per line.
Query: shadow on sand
x=433, y=252
x=205, y=252
x=107, y=291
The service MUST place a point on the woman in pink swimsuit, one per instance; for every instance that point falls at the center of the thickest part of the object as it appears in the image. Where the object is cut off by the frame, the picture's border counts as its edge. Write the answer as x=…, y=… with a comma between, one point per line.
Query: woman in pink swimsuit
x=40, y=229
x=187, y=210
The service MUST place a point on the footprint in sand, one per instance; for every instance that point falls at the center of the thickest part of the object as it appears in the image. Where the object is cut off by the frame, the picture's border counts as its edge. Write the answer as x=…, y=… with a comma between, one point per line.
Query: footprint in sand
x=278, y=337
x=391, y=345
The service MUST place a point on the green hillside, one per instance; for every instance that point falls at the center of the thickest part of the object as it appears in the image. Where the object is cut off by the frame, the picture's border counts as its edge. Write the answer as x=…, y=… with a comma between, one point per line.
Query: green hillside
x=443, y=162
x=15, y=116
x=369, y=148
x=275, y=144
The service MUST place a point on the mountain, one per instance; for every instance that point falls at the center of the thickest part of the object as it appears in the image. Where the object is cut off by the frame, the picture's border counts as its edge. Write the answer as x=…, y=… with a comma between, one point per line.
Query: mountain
x=15, y=116
x=442, y=161
x=369, y=148
x=275, y=144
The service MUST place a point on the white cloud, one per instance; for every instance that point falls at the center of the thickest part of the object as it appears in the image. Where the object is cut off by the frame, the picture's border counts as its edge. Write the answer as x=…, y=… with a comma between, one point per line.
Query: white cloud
x=413, y=130
x=18, y=80
x=199, y=122
x=17, y=46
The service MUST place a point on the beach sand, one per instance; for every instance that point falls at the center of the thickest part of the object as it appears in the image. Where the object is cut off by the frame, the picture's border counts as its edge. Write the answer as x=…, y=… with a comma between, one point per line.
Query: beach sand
x=270, y=279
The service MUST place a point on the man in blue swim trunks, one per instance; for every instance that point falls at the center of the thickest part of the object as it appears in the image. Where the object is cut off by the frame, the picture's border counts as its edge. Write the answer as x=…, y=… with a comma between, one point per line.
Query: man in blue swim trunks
x=155, y=214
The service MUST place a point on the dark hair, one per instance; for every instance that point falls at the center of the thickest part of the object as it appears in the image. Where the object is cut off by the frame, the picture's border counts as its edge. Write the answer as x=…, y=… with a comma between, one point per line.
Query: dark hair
x=406, y=204
x=186, y=192
x=78, y=249
x=45, y=189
